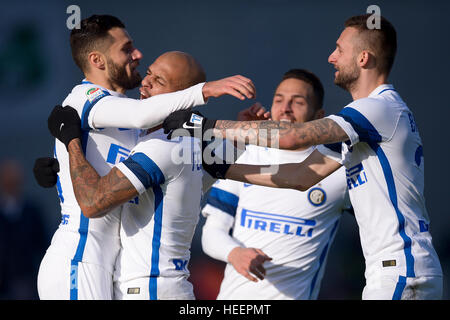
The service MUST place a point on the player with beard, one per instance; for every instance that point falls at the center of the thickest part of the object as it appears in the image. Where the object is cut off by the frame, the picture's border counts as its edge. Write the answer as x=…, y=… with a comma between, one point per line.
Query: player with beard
x=377, y=140
x=79, y=263
x=164, y=181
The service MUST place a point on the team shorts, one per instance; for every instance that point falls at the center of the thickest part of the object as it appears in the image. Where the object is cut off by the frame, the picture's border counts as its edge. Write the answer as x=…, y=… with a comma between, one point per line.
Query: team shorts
x=394, y=287
x=60, y=278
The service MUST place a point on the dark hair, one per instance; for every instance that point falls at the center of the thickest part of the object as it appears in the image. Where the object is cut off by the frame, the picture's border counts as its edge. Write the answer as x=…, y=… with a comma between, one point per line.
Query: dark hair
x=310, y=78
x=91, y=36
x=381, y=42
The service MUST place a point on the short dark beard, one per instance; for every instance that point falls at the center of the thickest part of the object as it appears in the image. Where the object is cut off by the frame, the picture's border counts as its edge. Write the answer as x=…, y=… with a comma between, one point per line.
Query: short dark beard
x=118, y=76
x=347, y=79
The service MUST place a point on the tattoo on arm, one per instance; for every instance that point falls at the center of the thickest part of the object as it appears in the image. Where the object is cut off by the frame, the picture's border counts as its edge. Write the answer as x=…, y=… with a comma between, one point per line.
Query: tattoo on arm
x=283, y=135
x=96, y=195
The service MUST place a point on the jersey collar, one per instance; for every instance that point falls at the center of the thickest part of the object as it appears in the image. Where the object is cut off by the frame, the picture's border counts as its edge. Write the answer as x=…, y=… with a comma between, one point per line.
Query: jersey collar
x=380, y=89
x=114, y=93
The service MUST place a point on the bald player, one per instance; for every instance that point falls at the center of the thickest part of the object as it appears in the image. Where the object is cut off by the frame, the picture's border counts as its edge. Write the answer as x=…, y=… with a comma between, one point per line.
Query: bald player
x=79, y=263
x=157, y=227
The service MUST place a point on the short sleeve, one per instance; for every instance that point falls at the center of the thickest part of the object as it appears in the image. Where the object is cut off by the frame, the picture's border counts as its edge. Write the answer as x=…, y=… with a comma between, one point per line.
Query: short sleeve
x=367, y=120
x=142, y=171
x=223, y=197
x=149, y=164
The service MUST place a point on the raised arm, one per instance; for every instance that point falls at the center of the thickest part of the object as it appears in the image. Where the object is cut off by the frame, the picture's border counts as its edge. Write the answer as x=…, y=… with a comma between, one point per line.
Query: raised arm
x=120, y=112
x=96, y=195
x=282, y=135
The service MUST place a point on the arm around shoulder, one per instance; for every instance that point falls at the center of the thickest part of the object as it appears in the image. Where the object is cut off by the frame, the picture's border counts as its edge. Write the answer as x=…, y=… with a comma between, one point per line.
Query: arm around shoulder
x=300, y=176
x=96, y=195
x=118, y=112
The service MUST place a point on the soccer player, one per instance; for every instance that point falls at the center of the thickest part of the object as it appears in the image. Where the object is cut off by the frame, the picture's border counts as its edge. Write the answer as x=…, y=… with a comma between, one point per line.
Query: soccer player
x=80, y=261
x=156, y=229
x=377, y=140
x=280, y=236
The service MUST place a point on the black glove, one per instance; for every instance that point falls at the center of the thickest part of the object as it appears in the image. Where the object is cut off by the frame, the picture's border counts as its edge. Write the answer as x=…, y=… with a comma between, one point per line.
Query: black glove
x=217, y=168
x=192, y=123
x=64, y=124
x=45, y=171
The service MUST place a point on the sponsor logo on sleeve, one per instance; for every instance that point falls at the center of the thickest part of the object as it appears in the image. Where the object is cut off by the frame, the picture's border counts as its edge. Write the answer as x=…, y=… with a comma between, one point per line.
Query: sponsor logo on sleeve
x=94, y=94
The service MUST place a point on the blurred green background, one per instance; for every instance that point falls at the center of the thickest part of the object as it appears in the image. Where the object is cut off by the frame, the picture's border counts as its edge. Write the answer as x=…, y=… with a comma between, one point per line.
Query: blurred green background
x=258, y=39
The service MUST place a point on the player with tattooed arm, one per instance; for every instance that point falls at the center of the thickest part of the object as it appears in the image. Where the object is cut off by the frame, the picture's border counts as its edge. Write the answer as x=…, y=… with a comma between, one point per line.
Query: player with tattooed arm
x=377, y=140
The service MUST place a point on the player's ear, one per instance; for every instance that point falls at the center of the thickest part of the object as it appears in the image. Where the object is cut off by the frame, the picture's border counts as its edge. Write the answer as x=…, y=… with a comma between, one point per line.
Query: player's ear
x=96, y=60
x=366, y=59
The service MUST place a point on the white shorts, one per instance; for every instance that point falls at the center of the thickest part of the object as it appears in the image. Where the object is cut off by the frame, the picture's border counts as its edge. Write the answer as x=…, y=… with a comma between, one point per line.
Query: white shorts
x=158, y=288
x=390, y=287
x=60, y=278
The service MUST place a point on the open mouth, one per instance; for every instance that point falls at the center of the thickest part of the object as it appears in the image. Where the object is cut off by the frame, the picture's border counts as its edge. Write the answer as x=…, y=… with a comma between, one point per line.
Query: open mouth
x=144, y=93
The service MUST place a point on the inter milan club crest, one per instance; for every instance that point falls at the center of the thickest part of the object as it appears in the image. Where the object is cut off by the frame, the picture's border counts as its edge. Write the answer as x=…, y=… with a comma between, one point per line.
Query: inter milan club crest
x=317, y=196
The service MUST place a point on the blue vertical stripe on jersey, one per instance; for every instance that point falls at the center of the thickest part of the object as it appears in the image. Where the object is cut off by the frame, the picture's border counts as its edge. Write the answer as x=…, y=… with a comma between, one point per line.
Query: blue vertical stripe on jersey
x=58, y=182
x=323, y=255
x=145, y=169
x=148, y=172
x=83, y=232
x=156, y=242
x=418, y=155
x=368, y=133
x=401, y=284
x=223, y=200
x=59, y=189
x=401, y=219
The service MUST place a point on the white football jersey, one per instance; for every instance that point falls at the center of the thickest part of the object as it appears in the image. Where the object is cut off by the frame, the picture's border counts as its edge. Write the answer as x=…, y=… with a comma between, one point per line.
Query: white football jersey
x=78, y=237
x=97, y=240
x=294, y=228
x=156, y=234
x=385, y=175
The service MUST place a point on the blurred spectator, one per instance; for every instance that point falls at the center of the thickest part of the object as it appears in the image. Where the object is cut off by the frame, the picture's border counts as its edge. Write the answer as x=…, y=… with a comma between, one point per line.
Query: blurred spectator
x=22, y=237
x=206, y=276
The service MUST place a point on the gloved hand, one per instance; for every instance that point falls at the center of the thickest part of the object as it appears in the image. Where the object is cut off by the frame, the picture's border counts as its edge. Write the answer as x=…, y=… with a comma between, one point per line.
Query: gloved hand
x=45, y=171
x=193, y=123
x=64, y=124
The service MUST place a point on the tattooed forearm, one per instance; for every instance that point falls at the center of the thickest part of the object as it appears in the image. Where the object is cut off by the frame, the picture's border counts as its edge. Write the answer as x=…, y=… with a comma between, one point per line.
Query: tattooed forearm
x=96, y=195
x=283, y=135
